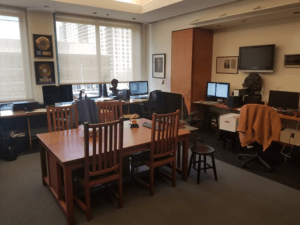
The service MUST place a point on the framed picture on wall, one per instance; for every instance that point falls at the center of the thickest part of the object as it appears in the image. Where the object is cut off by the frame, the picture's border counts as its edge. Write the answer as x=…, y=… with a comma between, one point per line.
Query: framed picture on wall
x=42, y=46
x=158, y=66
x=44, y=72
x=292, y=61
x=228, y=64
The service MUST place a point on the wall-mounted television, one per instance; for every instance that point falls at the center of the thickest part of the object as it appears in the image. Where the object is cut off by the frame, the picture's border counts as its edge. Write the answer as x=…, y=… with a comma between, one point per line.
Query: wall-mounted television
x=257, y=58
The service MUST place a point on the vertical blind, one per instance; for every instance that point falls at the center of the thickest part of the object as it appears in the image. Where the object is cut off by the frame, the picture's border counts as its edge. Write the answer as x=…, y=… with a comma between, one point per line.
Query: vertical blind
x=96, y=51
x=15, y=82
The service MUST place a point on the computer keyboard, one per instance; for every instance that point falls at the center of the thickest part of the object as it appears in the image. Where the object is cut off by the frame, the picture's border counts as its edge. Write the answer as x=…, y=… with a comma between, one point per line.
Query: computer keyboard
x=147, y=124
x=141, y=97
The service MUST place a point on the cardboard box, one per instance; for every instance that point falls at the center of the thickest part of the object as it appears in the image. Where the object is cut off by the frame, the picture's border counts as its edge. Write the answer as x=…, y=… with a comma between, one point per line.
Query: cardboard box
x=229, y=122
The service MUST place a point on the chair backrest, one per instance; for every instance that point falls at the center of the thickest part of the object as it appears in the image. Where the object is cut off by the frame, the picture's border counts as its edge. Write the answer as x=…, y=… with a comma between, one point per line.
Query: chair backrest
x=109, y=111
x=106, y=145
x=62, y=118
x=164, y=134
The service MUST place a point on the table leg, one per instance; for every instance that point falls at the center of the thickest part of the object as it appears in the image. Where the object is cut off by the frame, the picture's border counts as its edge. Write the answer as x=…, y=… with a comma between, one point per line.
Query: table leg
x=29, y=131
x=185, y=152
x=68, y=182
x=178, y=154
x=43, y=162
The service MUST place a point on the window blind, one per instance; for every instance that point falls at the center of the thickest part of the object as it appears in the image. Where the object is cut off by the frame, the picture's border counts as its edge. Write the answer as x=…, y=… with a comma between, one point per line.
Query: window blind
x=95, y=51
x=15, y=81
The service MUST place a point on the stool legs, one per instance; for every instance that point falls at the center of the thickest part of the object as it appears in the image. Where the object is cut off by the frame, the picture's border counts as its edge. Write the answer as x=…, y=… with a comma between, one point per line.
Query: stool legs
x=204, y=163
x=206, y=166
x=199, y=167
x=191, y=160
x=214, y=166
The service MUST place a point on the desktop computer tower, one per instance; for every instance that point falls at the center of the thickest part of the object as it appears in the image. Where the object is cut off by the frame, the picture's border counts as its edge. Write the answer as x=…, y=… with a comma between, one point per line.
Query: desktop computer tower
x=235, y=101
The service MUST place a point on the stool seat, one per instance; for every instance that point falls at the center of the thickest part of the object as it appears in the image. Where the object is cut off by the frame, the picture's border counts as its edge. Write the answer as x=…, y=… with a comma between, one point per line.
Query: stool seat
x=203, y=150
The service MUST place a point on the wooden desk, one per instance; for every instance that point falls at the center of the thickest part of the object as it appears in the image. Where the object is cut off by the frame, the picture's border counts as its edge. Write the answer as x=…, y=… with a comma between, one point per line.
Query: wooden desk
x=224, y=106
x=15, y=114
x=66, y=149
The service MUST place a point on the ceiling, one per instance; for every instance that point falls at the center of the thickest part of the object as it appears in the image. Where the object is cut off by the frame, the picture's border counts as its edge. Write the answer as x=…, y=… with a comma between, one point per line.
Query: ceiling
x=142, y=11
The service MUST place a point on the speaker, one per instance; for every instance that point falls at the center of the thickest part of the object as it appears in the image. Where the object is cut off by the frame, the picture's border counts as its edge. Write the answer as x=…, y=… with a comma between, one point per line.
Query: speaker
x=235, y=101
x=25, y=105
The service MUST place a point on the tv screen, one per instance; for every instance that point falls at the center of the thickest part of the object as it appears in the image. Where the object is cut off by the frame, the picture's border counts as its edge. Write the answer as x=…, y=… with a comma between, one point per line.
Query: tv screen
x=55, y=94
x=257, y=58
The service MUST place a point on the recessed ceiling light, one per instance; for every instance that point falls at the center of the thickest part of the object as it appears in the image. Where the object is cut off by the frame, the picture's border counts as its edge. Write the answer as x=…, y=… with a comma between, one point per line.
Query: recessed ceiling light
x=94, y=12
x=46, y=6
x=296, y=13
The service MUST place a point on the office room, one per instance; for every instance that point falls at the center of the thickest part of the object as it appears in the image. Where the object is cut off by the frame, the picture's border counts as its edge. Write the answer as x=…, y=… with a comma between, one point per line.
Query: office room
x=231, y=194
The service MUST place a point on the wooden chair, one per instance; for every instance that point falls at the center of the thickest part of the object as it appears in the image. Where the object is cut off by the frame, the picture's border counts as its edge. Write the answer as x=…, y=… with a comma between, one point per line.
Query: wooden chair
x=109, y=110
x=103, y=163
x=61, y=118
x=163, y=148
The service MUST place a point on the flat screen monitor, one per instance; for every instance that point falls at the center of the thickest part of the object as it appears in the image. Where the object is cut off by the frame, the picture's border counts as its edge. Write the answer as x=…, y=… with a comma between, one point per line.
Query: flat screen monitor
x=168, y=102
x=284, y=99
x=217, y=90
x=256, y=58
x=138, y=87
x=55, y=94
x=222, y=90
x=211, y=89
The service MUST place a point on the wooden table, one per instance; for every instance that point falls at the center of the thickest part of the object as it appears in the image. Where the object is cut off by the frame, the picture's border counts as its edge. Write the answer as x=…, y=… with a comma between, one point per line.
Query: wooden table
x=64, y=149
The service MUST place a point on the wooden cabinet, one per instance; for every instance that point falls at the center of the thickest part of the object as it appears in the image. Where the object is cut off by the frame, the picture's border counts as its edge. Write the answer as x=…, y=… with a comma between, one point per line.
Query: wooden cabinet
x=191, y=63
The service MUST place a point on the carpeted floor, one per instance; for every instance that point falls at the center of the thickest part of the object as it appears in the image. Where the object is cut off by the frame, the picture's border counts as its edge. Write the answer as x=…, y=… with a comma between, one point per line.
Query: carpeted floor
x=238, y=197
x=284, y=172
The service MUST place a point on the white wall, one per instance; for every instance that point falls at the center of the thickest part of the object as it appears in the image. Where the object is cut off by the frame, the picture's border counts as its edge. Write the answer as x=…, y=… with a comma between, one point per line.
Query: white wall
x=284, y=34
x=40, y=23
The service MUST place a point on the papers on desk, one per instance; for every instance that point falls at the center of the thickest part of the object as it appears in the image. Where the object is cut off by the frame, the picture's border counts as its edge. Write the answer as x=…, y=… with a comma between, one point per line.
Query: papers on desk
x=37, y=111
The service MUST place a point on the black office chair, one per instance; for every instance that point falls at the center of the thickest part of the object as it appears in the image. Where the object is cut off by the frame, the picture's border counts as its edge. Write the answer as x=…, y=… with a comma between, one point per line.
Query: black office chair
x=268, y=113
x=149, y=107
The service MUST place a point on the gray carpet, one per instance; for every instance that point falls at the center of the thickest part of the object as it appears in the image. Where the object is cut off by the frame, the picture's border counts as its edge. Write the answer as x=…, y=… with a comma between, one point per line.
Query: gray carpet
x=238, y=197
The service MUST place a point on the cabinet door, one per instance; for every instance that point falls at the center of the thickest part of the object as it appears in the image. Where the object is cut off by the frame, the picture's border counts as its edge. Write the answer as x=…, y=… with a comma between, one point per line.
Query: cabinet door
x=182, y=54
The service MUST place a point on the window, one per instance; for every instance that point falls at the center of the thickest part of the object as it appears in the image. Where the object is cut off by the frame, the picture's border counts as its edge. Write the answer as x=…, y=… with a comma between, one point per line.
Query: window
x=15, y=81
x=87, y=50
x=92, y=90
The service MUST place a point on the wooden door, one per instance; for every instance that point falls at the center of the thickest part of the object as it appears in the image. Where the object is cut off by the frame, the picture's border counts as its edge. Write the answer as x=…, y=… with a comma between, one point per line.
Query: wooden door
x=182, y=56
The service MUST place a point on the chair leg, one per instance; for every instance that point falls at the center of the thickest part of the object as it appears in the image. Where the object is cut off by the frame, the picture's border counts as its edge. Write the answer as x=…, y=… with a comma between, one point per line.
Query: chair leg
x=174, y=174
x=204, y=156
x=199, y=167
x=214, y=166
x=178, y=154
x=191, y=160
x=120, y=199
x=151, y=180
x=88, y=211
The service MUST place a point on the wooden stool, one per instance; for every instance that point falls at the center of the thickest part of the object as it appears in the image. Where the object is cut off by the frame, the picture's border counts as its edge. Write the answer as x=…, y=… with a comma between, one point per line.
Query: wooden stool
x=202, y=150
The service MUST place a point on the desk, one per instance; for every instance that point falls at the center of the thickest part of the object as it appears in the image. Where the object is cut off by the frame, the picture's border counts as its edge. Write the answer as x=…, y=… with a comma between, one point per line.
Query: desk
x=66, y=149
x=224, y=106
x=15, y=114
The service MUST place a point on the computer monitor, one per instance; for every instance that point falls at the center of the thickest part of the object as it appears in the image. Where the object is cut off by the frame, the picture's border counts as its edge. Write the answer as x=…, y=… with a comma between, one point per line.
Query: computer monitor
x=222, y=90
x=284, y=99
x=138, y=87
x=217, y=90
x=55, y=94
